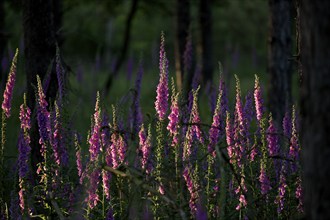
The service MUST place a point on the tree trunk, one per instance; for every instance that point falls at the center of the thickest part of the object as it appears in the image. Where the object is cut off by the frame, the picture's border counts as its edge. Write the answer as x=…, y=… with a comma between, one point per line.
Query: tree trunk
x=39, y=51
x=182, y=32
x=125, y=46
x=315, y=104
x=279, y=57
x=205, y=19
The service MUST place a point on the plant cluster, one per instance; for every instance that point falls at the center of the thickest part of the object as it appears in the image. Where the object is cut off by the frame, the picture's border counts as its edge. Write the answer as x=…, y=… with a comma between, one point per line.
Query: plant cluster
x=171, y=166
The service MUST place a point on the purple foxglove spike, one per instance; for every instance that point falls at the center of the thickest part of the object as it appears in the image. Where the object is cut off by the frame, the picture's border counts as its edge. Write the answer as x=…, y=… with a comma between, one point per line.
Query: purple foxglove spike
x=230, y=139
x=60, y=151
x=94, y=141
x=8, y=93
x=294, y=143
x=214, y=131
x=106, y=177
x=280, y=199
x=192, y=188
x=145, y=147
x=273, y=144
x=174, y=117
x=248, y=109
x=258, y=99
x=24, y=116
x=242, y=202
x=264, y=182
x=24, y=150
x=93, y=196
x=43, y=118
x=161, y=52
x=113, y=148
x=195, y=119
x=161, y=103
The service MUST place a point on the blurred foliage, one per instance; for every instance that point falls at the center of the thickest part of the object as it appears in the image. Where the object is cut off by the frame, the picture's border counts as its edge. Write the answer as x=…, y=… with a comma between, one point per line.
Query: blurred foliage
x=96, y=27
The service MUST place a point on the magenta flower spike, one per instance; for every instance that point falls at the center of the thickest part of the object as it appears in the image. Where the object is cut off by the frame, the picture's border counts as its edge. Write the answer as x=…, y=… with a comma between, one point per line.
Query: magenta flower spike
x=145, y=147
x=258, y=99
x=173, y=125
x=230, y=139
x=195, y=119
x=161, y=103
x=8, y=93
x=93, y=196
x=94, y=141
x=60, y=152
x=294, y=144
x=264, y=181
x=192, y=188
x=280, y=199
x=215, y=127
x=240, y=126
x=24, y=140
x=43, y=118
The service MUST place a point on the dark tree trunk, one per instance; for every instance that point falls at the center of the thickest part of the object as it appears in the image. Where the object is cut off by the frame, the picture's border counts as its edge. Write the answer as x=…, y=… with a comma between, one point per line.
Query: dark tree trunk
x=39, y=51
x=182, y=32
x=315, y=104
x=205, y=19
x=2, y=41
x=125, y=46
x=279, y=57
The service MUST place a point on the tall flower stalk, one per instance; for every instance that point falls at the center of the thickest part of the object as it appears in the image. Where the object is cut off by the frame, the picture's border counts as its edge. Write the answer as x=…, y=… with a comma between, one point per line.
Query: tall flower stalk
x=6, y=108
x=161, y=103
x=24, y=153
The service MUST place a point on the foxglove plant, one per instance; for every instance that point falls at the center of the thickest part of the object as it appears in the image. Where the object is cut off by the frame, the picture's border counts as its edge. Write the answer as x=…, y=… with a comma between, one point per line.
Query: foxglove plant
x=264, y=181
x=273, y=144
x=258, y=99
x=294, y=145
x=230, y=139
x=60, y=151
x=145, y=148
x=79, y=161
x=240, y=127
x=161, y=103
x=280, y=199
x=23, y=151
x=174, y=117
x=94, y=141
x=43, y=118
x=195, y=118
x=94, y=179
x=6, y=107
x=215, y=127
x=194, y=128
x=192, y=186
x=8, y=93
